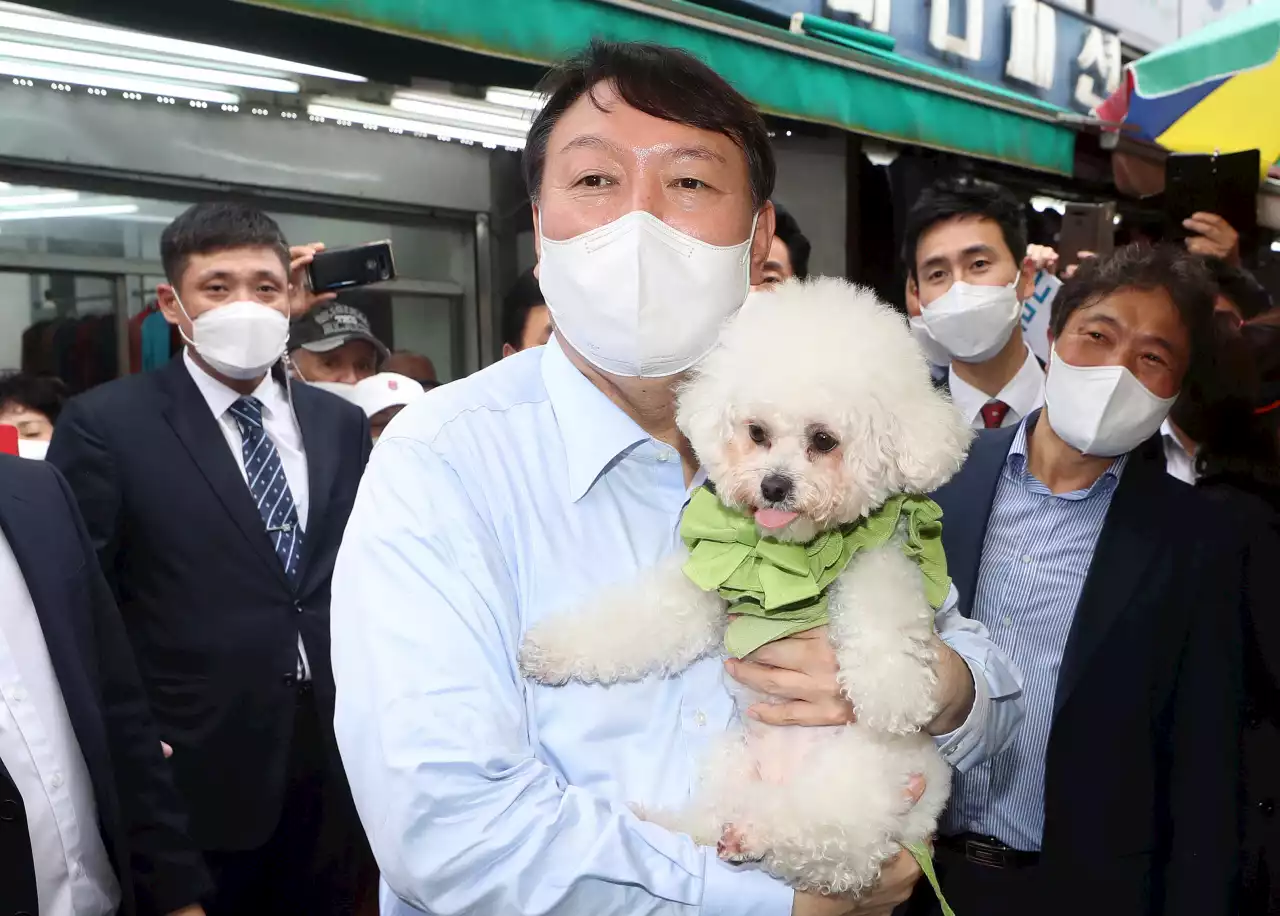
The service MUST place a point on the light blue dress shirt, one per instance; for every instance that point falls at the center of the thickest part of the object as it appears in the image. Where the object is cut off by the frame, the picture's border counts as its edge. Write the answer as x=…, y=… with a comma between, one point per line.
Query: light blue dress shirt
x=491, y=503
x=1034, y=563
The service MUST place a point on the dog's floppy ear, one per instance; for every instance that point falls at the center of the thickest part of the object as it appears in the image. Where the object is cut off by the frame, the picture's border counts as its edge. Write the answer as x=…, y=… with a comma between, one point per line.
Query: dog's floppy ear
x=702, y=412
x=930, y=441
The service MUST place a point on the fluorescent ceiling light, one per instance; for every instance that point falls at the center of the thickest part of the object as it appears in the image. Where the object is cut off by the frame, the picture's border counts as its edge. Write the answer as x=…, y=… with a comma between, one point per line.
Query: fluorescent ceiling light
x=1275, y=246
x=1040, y=204
x=58, y=212
x=515, y=98
x=10, y=18
x=381, y=116
x=37, y=200
x=134, y=65
x=460, y=110
x=104, y=80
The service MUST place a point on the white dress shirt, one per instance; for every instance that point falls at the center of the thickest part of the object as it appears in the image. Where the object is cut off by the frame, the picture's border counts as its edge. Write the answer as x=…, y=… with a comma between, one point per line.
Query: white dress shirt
x=1023, y=393
x=1179, y=462
x=280, y=423
x=39, y=749
x=487, y=505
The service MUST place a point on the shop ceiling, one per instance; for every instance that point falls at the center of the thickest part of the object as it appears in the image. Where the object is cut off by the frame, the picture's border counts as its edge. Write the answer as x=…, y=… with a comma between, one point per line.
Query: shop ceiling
x=509, y=42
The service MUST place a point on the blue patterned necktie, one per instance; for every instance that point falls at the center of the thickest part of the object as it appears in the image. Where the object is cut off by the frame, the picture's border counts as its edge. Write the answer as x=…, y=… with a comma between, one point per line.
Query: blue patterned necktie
x=268, y=485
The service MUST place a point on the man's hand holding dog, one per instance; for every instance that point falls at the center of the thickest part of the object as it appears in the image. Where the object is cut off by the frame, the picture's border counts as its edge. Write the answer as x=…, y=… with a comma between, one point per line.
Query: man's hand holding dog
x=800, y=674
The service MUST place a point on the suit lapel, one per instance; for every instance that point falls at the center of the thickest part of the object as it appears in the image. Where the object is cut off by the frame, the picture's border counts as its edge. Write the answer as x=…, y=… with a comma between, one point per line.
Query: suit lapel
x=42, y=556
x=966, y=504
x=1129, y=542
x=189, y=415
x=320, y=443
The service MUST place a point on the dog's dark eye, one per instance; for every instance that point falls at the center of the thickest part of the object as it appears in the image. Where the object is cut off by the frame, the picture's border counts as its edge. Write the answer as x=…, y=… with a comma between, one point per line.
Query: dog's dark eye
x=757, y=434
x=823, y=441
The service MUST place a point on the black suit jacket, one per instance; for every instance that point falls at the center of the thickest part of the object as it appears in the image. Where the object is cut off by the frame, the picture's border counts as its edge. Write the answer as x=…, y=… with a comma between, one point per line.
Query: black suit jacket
x=213, y=618
x=1141, y=770
x=140, y=816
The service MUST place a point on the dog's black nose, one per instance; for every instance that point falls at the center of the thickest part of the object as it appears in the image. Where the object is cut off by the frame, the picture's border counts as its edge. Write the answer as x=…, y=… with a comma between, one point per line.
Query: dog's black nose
x=775, y=488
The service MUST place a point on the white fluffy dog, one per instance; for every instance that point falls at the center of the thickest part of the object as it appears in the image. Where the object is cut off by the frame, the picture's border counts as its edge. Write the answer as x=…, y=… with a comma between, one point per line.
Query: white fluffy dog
x=815, y=409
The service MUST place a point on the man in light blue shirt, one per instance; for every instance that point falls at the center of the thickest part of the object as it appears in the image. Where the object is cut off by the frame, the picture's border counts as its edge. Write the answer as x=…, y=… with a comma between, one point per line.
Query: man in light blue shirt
x=533, y=485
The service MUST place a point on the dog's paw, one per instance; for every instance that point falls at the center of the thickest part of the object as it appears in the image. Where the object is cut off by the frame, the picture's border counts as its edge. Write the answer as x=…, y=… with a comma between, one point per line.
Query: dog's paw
x=734, y=845
x=546, y=657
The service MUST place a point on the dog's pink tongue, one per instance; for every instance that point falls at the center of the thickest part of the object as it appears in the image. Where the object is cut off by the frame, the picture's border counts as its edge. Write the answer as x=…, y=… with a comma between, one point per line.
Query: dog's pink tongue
x=774, y=519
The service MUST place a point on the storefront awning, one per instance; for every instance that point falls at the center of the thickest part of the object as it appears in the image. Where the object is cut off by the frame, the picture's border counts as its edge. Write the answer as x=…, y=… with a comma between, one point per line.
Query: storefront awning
x=867, y=91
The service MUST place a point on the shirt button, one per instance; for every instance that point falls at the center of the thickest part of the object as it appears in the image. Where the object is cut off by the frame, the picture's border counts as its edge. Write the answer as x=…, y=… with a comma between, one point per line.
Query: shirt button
x=19, y=694
x=700, y=717
x=664, y=456
x=1008, y=621
x=56, y=780
x=1026, y=558
x=297, y=606
x=78, y=870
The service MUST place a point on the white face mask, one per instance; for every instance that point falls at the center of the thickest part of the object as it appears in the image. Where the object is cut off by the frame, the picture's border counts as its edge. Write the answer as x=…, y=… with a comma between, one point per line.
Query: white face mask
x=639, y=299
x=934, y=352
x=344, y=390
x=242, y=340
x=973, y=323
x=1101, y=410
x=33, y=448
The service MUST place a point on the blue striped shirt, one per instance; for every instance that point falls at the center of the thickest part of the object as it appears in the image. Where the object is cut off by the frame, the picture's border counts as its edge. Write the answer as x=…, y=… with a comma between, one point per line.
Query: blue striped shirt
x=1035, y=559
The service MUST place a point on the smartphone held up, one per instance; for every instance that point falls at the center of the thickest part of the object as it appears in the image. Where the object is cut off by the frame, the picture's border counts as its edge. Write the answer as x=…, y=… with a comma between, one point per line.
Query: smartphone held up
x=337, y=269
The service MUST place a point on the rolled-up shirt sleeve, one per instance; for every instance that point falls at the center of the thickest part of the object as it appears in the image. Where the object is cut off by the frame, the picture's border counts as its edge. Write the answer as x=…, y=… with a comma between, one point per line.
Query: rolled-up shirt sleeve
x=997, y=694
x=431, y=722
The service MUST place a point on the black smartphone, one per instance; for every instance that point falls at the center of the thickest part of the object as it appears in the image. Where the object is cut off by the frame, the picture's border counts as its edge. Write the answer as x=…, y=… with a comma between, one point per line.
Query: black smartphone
x=359, y=265
x=1087, y=227
x=1221, y=183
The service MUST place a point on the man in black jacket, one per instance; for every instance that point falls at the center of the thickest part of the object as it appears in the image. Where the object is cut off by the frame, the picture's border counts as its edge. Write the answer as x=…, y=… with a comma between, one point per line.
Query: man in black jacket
x=1117, y=591
x=89, y=819
x=216, y=494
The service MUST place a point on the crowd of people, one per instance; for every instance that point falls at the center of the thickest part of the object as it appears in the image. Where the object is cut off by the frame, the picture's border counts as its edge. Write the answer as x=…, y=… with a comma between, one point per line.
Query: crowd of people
x=250, y=664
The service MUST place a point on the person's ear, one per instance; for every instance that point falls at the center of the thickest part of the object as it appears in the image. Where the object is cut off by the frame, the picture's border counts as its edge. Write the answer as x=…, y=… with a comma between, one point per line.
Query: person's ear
x=913, y=297
x=167, y=299
x=760, y=242
x=508, y=350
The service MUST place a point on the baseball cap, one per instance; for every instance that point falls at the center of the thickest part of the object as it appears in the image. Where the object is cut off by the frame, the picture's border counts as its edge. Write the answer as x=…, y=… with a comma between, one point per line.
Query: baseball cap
x=328, y=327
x=386, y=389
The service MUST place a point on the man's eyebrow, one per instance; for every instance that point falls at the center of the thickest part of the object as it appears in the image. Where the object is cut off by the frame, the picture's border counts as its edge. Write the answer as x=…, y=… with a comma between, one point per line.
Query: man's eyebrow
x=589, y=141
x=695, y=152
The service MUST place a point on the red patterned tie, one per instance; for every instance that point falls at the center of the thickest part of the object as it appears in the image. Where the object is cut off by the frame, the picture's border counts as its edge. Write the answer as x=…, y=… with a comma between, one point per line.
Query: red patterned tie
x=993, y=413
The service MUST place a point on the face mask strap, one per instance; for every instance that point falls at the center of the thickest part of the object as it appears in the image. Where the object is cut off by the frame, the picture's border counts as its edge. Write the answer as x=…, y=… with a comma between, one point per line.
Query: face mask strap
x=181, y=333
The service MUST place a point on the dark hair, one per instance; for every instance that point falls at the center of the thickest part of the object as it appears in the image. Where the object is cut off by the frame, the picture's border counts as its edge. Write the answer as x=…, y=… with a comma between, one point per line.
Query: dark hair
x=1183, y=276
x=209, y=227
x=516, y=305
x=965, y=196
x=1240, y=288
x=1220, y=414
x=787, y=230
x=45, y=394
x=663, y=82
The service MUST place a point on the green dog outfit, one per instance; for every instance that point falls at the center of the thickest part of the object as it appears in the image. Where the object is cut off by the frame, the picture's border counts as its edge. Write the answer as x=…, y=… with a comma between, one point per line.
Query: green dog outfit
x=778, y=588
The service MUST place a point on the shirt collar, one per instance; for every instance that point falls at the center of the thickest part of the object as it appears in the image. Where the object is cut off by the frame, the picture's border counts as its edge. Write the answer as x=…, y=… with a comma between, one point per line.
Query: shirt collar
x=220, y=398
x=593, y=429
x=1023, y=393
x=1170, y=437
x=1015, y=466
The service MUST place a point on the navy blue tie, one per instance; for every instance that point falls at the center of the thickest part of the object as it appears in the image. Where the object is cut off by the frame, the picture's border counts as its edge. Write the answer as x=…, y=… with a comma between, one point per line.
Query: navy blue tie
x=268, y=485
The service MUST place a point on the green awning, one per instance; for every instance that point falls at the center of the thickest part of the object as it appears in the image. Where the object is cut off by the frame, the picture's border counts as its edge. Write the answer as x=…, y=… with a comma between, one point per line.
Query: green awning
x=868, y=91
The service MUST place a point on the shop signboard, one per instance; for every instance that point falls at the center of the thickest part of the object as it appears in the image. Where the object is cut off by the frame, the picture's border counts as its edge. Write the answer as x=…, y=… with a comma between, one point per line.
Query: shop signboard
x=1152, y=23
x=1029, y=46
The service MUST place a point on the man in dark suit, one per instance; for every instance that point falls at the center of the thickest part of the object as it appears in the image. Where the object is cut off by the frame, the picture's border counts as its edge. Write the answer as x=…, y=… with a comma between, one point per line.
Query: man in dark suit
x=216, y=494
x=966, y=277
x=89, y=819
x=1117, y=591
